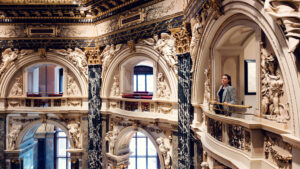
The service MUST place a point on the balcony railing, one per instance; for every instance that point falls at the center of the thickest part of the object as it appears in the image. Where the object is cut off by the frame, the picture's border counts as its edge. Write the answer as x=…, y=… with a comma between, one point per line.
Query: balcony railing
x=228, y=109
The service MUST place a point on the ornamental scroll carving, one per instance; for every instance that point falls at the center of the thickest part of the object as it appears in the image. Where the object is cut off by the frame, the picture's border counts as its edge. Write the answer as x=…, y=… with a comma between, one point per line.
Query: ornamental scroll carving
x=74, y=132
x=107, y=55
x=272, y=89
x=165, y=151
x=111, y=137
x=278, y=151
x=17, y=88
x=287, y=12
x=162, y=90
x=166, y=46
x=115, y=90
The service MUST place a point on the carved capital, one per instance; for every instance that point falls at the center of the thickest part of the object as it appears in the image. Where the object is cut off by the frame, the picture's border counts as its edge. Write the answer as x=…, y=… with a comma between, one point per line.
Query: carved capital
x=93, y=55
x=183, y=38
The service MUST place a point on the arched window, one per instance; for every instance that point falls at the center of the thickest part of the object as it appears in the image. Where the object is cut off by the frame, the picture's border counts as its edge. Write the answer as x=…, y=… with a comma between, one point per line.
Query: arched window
x=144, y=154
x=45, y=80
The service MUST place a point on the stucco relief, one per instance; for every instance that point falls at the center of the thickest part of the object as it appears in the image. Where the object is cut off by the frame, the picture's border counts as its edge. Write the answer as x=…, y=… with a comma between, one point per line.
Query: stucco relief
x=14, y=129
x=286, y=11
x=207, y=87
x=17, y=88
x=12, y=31
x=162, y=88
x=75, y=133
x=166, y=46
x=8, y=56
x=163, y=8
x=111, y=137
x=165, y=150
x=107, y=55
x=76, y=31
x=272, y=89
x=107, y=26
x=115, y=90
x=76, y=56
x=72, y=87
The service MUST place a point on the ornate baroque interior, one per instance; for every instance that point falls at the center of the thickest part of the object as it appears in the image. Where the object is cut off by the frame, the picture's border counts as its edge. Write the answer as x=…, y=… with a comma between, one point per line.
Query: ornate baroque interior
x=135, y=84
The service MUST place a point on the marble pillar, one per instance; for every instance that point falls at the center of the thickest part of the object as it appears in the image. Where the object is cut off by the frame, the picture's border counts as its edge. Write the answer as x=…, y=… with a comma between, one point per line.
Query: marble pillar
x=184, y=111
x=94, y=118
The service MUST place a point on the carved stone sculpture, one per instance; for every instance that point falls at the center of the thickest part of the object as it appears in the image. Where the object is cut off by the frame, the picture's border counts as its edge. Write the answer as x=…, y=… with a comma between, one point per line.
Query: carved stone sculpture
x=107, y=55
x=8, y=56
x=115, y=90
x=111, y=137
x=12, y=135
x=197, y=32
x=17, y=88
x=163, y=90
x=74, y=132
x=287, y=11
x=206, y=88
x=76, y=56
x=165, y=151
x=166, y=46
x=272, y=89
x=72, y=88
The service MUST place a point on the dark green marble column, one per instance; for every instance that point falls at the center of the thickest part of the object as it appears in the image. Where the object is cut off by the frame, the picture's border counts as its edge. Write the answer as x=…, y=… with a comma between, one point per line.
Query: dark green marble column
x=94, y=118
x=184, y=111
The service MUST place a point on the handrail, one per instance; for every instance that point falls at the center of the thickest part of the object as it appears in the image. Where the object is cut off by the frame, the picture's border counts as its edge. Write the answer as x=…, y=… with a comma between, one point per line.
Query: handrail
x=230, y=105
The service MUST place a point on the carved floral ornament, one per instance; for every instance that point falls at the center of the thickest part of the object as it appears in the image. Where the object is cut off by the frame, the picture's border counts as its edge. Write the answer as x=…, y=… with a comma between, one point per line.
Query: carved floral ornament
x=279, y=151
x=287, y=12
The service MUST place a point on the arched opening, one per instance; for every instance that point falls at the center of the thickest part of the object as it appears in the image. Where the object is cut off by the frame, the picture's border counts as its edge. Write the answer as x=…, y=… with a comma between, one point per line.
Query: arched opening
x=144, y=154
x=237, y=54
x=137, y=79
x=44, y=80
x=45, y=146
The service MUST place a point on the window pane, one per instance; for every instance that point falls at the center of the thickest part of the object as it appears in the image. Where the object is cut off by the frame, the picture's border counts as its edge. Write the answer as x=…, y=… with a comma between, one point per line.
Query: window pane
x=141, y=82
x=251, y=77
x=141, y=146
x=61, y=163
x=139, y=134
x=151, y=148
x=61, y=134
x=61, y=146
x=69, y=163
x=132, y=146
x=134, y=82
x=149, y=83
x=152, y=163
x=141, y=163
x=131, y=163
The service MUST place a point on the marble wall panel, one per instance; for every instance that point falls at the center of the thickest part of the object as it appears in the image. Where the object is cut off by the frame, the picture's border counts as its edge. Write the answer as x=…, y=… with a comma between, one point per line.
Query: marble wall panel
x=184, y=111
x=94, y=118
x=175, y=150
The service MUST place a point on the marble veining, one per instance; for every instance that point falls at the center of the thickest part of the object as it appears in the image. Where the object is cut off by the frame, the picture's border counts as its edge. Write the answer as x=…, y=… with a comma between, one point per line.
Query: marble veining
x=184, y=111
x=94, y=118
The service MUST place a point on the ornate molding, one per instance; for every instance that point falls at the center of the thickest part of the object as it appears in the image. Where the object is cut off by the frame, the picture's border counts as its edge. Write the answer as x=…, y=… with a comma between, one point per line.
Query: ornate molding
x=93, y=55
x=288, y=14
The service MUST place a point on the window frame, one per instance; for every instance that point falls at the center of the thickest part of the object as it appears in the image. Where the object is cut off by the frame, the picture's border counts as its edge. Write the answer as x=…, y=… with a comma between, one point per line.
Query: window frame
x=56, y=156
